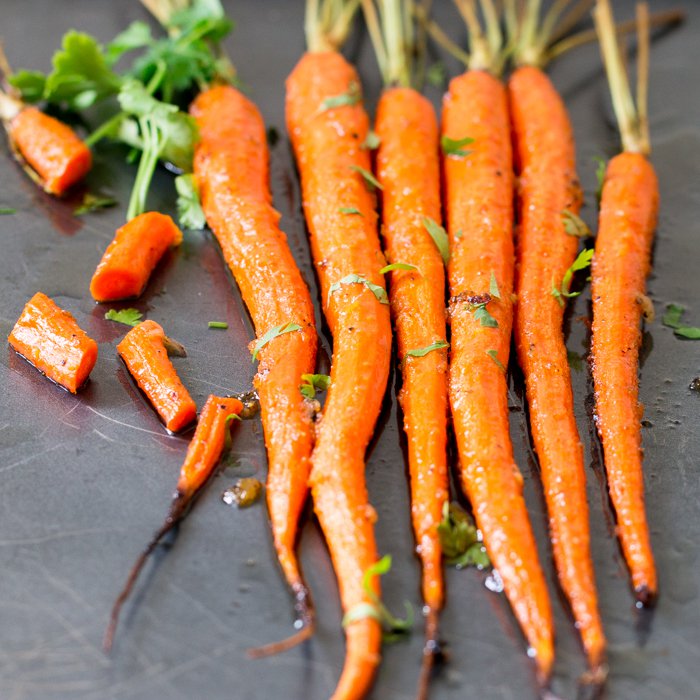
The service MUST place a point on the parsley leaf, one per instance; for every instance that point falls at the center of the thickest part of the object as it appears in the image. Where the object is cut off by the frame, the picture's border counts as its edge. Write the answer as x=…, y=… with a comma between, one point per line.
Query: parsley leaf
x=581, y=263
x=272, y=334
x=493, y=287
x=129, y=317
x=369, y=179
x=394, y=627
x=313, y=383
x=350, y=210
x=92, y=202
x=397, y=266
x=422, y=352
x=378, y=291
x=460, y=540
x=574, y=225
x=189, y=209
x=372, y=141
x=672, y=319
x=455, y=147
x=218, y=324
x=439, y=236
x=493, y=354
x=601, y=167
x=345, y=99
x=482, y=314
x=135, y=36
x=436, y=75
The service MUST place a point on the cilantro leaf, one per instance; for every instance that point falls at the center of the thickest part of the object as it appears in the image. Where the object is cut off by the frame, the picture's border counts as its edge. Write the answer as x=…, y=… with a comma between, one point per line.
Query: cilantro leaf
x=272, y=334
x=189, y=210
x=372, y=142
x=129, y=317
x=493, y=354
x=345, y=99
x=459, y=539
x=672, y=319
x=494, y=292
x=439, y=236
x=396, y=266
x=455, y=147
x=353, y=278
x=367, y=176
x=574, y=225
x=422, y=352
x=135, y=36
x=92, y=202
x=313, y=383
x=350, y=210
x=582, y=261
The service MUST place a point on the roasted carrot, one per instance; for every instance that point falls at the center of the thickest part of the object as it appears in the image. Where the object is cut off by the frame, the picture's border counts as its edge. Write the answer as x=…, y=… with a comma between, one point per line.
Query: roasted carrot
x=478, y=177
x=549, y=194
x=328, y=127
x=408, y=168
x=231, y=166
x=145, y=354
x=622, y=260
x=50, y=338
x=132, y=255
x=203, y=454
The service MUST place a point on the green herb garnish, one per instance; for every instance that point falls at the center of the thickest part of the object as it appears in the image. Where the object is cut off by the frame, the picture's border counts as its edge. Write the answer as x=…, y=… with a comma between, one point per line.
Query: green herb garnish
x=372, y=141
x=313, y=383
x=350, y=210
x=378, y=291
x=493, y=354
x=422, y=352
x=7, y=210
x=272, y=334
x=436, y=75
x=189, y=208
x=672, y=319
x=601, y=167
x=367, y=176
x=218, y=324
x=482, y=314
x=494, y=292
x=439, y=236
x=575, y=360
x=129, y=317
x=345, y=99
x=574, y=225
x=581, y=263
x=460, y=540
x=397, y=266
x=455, y=147
x=93, y=202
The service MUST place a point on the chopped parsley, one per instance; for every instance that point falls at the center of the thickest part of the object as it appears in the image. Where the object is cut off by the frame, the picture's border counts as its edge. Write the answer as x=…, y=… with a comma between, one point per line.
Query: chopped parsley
x=422, y=352
x=397, y=266
x=378, y=291
x=493, y=354
x=460, y=540
x=439, y=236
x=272, y=334
x=372, y=141
x=218, y=324
x=350, y=210
x=455, y=147
x=493, y=287
x=574, y=225
x=672, y=319
x=345, y=99
x=7, y=210
x=482, y=314
x=313, y=383
x=367, y=176
x=129, y=317
x=581, y=263
x=93, y=202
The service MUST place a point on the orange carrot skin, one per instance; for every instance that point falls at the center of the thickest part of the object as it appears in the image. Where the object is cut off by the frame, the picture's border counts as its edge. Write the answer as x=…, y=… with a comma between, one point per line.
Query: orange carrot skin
x=50, y=338
x=327, y=142
x=479, y=205
x=207, y=443
x=144, y=353
x=628, y=212
x=132, y=256
x=545, y=155
x=52, y=149
x=231, y=166
x=408, y=168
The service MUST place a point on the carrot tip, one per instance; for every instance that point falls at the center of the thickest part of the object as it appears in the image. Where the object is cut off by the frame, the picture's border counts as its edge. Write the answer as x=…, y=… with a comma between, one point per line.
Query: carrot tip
x=646, y=597
x=432, y=653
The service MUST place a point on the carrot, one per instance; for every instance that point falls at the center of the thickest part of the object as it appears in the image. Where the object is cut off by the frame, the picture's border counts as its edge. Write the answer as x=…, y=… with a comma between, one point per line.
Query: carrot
x=622, y=260
x=231, y=166
x=408, y=169
x=203, y=454
x=548, y=195
x=132, y=255
x=478, y=180
x=144, y=352
x=328, y=126
x=50, y=338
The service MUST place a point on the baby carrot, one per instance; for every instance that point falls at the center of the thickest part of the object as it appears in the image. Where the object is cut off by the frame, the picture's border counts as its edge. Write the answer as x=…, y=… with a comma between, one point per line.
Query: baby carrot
x=548, y=194
x=328, y=127
x=49, y=338
x=408, y=168
x=622, y=260
x=131, y=257
x=144, y=352
x=203, y=455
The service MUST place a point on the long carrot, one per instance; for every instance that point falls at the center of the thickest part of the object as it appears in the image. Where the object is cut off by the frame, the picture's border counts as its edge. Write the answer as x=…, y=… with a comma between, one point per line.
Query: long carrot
x=203, y=455
x=548, y=195
x=478, y=180
x=132, y=255
x=328, y=127
x=408, y=169
x=144, y=352
x=628, y=211
x=50, y=338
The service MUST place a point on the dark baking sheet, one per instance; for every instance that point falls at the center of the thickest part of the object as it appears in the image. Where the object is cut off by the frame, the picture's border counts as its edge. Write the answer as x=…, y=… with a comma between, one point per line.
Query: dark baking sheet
x=84, y=481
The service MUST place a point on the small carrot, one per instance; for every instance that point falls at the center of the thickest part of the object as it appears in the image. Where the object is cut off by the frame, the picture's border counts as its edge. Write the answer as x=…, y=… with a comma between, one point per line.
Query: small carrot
x=50, y=338
x=408, y=168
x=328, y=127
x=144, y=352
x=478, y=176
x=132, y=255
x=622, y=260
x=203, y=454
x=548, y=195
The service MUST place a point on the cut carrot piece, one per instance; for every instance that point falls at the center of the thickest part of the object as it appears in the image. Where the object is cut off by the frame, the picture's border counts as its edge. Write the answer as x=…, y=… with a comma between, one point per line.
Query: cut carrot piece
x=203, y=454
x=144, y=352
x=50, y=338
x=51, y=148
x=131, y=257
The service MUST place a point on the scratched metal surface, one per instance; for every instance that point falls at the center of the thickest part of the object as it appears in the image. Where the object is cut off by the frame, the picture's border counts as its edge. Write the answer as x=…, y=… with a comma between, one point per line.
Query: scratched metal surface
x=84, y=481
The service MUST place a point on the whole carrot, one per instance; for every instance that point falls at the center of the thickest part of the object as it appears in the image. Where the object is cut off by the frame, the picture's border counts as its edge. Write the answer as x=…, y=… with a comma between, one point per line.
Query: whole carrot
x=549, y=195
x=132, y=255
x=328, y=127
x=478, y=176
x=145, y=354
x=203, y=454
x=408, y=169
x=628, y=211
x=49, y=338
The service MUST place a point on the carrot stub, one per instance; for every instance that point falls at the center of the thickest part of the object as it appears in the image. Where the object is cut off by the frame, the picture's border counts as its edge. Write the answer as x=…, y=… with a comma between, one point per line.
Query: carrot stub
x=50, y=338
x=144, y=352
x=51, y=148
x=131, y=257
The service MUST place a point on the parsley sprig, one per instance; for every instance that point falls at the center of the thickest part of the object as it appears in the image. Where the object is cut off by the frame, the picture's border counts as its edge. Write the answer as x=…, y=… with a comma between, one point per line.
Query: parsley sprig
x=672, y=319
x=563, y=292
x=460, y=540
